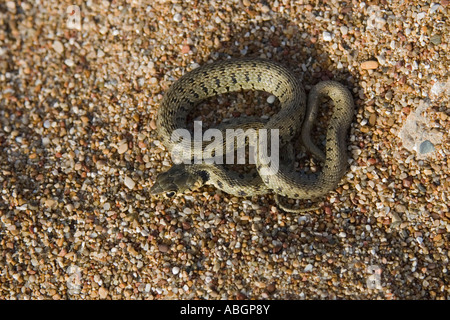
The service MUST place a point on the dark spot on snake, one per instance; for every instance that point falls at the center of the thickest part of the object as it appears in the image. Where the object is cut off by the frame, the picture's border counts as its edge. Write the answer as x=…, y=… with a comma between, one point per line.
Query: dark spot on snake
x=279, y=189
x=278, y=86
x=233, y=79
x=296, y=195
x=205, y=89
x=217, y=80
x=241, y=176
x=259, y=78
x=220, y=184
x=195, y=94
x=242, y=193
x=291, y=131
x=204, y=175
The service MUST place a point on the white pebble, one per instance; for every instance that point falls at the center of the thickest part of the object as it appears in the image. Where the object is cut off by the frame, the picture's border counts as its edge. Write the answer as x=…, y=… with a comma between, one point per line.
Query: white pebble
x=420, y=16
x=271, y=99
x=45, y=141
x=129, y=182
x=344, y=30
x=69, y=63
x=122, y=148
x=58, y=46
x=434, y=8
x=327, y=36
x=11, y=5
x=187, y=210
x=177, y=17
x=175, y=270
x=308, y=268
x=47, y=124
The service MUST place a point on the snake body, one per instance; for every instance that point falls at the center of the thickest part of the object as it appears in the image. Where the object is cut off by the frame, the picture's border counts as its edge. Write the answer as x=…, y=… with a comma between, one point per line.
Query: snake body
x=297, y=115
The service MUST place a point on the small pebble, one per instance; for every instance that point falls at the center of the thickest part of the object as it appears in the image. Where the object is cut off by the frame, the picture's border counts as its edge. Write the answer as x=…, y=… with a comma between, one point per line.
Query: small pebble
x=271, y=288
x=69, y=62
x=58, y=46
x=163, y=247
x=436, y=39
x=426, y=147
x=122, y=148
x=103, y=293
x=177, y=17
x=344, y=30
x=369, y=65
x=327, y=36
x=129, y=182
x=175, y=270
x=271, y=99
x=185, y=49
x=372, y=119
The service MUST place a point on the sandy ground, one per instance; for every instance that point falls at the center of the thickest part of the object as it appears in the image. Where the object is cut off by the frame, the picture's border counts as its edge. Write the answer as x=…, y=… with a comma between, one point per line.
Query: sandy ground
x=80, y=86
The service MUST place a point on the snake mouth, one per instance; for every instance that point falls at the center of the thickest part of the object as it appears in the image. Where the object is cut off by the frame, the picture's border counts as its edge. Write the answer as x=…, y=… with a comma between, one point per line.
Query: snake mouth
x=157, y=189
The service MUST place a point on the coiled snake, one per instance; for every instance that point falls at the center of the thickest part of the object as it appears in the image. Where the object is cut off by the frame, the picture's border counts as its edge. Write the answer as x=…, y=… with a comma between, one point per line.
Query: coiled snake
x=296, y=115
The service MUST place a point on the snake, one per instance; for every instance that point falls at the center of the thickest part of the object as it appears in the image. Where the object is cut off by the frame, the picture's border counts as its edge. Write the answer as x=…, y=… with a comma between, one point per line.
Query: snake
x=295, y=117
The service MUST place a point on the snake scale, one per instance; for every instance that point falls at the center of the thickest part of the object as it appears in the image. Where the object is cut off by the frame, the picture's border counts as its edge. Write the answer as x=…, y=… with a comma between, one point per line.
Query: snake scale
x=296, y=115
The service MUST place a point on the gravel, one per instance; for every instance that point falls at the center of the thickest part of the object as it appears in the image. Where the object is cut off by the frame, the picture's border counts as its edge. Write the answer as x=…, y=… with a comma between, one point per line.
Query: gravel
x=79, y=153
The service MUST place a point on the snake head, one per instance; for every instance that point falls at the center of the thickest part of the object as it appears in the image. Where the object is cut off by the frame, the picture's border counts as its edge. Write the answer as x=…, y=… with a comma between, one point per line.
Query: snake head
x=177, y=179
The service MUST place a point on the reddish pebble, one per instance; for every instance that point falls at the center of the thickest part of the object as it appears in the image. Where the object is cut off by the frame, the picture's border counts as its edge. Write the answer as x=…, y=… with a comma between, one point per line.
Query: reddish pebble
x=186, y=225
x=369, y=65
x=407, y=182
x=241, y=296
x=271, y=288
x=185, y=49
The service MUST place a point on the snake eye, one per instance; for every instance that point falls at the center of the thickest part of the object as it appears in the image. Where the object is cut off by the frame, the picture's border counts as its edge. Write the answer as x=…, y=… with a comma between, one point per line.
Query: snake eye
x=170, y=194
